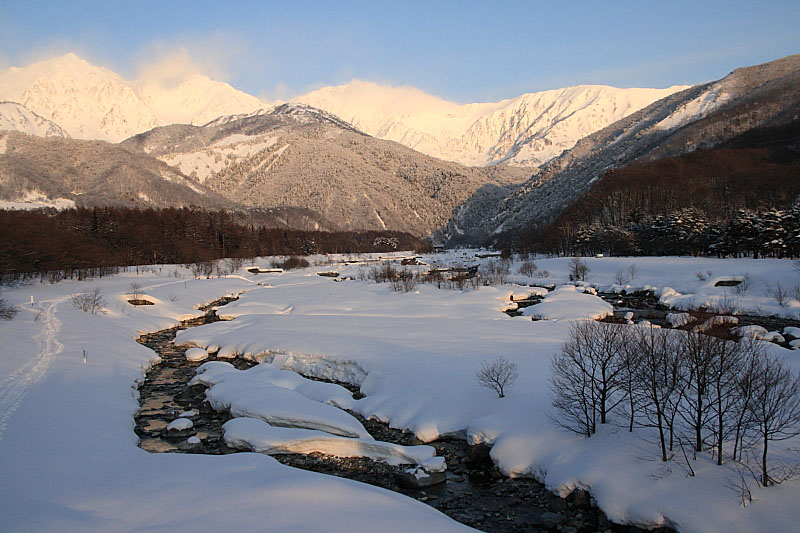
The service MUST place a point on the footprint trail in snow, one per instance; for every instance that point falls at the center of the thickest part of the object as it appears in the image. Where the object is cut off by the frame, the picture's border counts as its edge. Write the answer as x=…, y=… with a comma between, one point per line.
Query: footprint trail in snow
x=14, y=387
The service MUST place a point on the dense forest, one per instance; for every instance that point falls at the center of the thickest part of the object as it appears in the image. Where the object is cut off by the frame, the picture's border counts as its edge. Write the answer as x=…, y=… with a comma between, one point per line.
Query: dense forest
x=737, y=199
x=79, y=243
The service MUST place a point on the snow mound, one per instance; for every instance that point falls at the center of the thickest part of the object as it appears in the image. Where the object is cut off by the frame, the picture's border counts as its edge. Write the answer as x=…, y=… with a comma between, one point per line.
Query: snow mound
x=792, y=332
x=569, y=303
x=753, y=331
x=269, y=394
x=259, y=436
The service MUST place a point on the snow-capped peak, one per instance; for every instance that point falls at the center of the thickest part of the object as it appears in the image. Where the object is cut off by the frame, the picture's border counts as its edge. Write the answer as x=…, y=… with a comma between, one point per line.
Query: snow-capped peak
x=92, y=102
x=529, y=129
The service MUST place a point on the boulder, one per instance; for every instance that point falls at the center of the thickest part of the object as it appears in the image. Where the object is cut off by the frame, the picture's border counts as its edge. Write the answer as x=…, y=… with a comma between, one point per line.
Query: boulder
x=419, y=478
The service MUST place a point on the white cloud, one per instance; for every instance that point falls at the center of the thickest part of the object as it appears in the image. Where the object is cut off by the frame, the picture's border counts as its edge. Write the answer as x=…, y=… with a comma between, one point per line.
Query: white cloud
x=168, y=64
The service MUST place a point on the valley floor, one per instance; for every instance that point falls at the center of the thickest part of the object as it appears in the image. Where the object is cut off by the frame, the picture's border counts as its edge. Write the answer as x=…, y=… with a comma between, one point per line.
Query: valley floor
x=68, y=451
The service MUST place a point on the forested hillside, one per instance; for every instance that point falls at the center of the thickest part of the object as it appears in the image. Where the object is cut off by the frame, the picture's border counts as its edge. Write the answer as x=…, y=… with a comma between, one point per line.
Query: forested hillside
x=735, y=199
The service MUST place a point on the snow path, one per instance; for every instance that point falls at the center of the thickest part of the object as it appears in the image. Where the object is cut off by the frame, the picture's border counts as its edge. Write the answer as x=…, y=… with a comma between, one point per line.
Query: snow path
x=14, y=386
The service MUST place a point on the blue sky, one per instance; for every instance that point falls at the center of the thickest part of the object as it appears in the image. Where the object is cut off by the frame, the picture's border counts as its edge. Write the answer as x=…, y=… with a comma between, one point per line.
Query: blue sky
x=461, y=50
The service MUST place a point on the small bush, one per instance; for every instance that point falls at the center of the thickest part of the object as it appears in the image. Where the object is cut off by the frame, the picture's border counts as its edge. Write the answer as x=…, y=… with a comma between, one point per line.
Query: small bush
x=527, y=268
x=779, y=294
x=542, y=274
x=7, y=311
x=89, y=301
x=744, y=285
x=291, y=263
x=383, y=273
x=404, y=281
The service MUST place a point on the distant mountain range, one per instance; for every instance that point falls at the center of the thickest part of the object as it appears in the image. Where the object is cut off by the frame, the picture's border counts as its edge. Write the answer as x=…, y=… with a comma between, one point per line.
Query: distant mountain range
x=91, y=102
x=703, y=116
x=331, y=167
x=528, y=130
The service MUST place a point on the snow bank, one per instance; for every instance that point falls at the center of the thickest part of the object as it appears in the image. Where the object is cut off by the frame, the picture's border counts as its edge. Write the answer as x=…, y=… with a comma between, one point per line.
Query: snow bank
x=569, y=303
x=259, y=436
x=259, y=393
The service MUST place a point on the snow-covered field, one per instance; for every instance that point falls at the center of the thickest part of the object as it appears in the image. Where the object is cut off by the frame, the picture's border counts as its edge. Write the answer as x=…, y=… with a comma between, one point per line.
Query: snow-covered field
x=68, y=454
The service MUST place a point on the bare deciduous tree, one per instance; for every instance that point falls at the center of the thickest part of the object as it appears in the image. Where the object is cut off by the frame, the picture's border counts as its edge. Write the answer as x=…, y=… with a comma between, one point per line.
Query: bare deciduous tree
x=589, y=374
x=633, y=271
x=497, y=375
x=89, y=301
x=656, y=378
x=621, y=277
x=698, y=353
x=728, y=365
x=135, y=290
x=775, y=408
x=578, y=269
x=234, y=264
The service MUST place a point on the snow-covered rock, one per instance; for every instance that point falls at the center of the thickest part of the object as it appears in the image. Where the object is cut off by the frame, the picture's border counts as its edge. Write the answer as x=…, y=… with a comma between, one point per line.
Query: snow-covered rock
x=678, y=320
x=753, y=331
x=180, y=424
x=196, y=354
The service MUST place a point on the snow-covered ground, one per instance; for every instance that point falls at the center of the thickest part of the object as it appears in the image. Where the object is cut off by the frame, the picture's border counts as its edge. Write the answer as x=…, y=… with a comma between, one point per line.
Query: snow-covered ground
x=68, y=452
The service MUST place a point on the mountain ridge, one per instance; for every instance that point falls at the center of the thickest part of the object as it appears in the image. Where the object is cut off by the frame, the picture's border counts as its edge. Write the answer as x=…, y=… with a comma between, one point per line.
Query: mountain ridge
x=92, y=102
x=702, y=116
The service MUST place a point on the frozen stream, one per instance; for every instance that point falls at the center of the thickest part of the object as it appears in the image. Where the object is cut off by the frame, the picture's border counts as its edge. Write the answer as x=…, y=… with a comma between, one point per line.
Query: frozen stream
x=475, y=493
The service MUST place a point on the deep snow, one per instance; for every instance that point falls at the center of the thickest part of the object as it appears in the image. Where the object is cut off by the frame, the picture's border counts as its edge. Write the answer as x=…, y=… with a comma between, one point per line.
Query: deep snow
x=68, y=451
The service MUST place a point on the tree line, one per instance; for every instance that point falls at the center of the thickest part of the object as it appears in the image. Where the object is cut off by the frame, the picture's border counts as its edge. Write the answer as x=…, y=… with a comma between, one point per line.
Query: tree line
x=688, y=231
x=86, y=242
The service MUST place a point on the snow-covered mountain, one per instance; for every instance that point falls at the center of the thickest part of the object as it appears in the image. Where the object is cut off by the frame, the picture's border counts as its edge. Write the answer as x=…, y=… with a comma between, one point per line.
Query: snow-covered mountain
x=92, y=102
x=17, y=117
x=301, y=157
x=196, y=100
x=701, y=117
x=528, y=130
